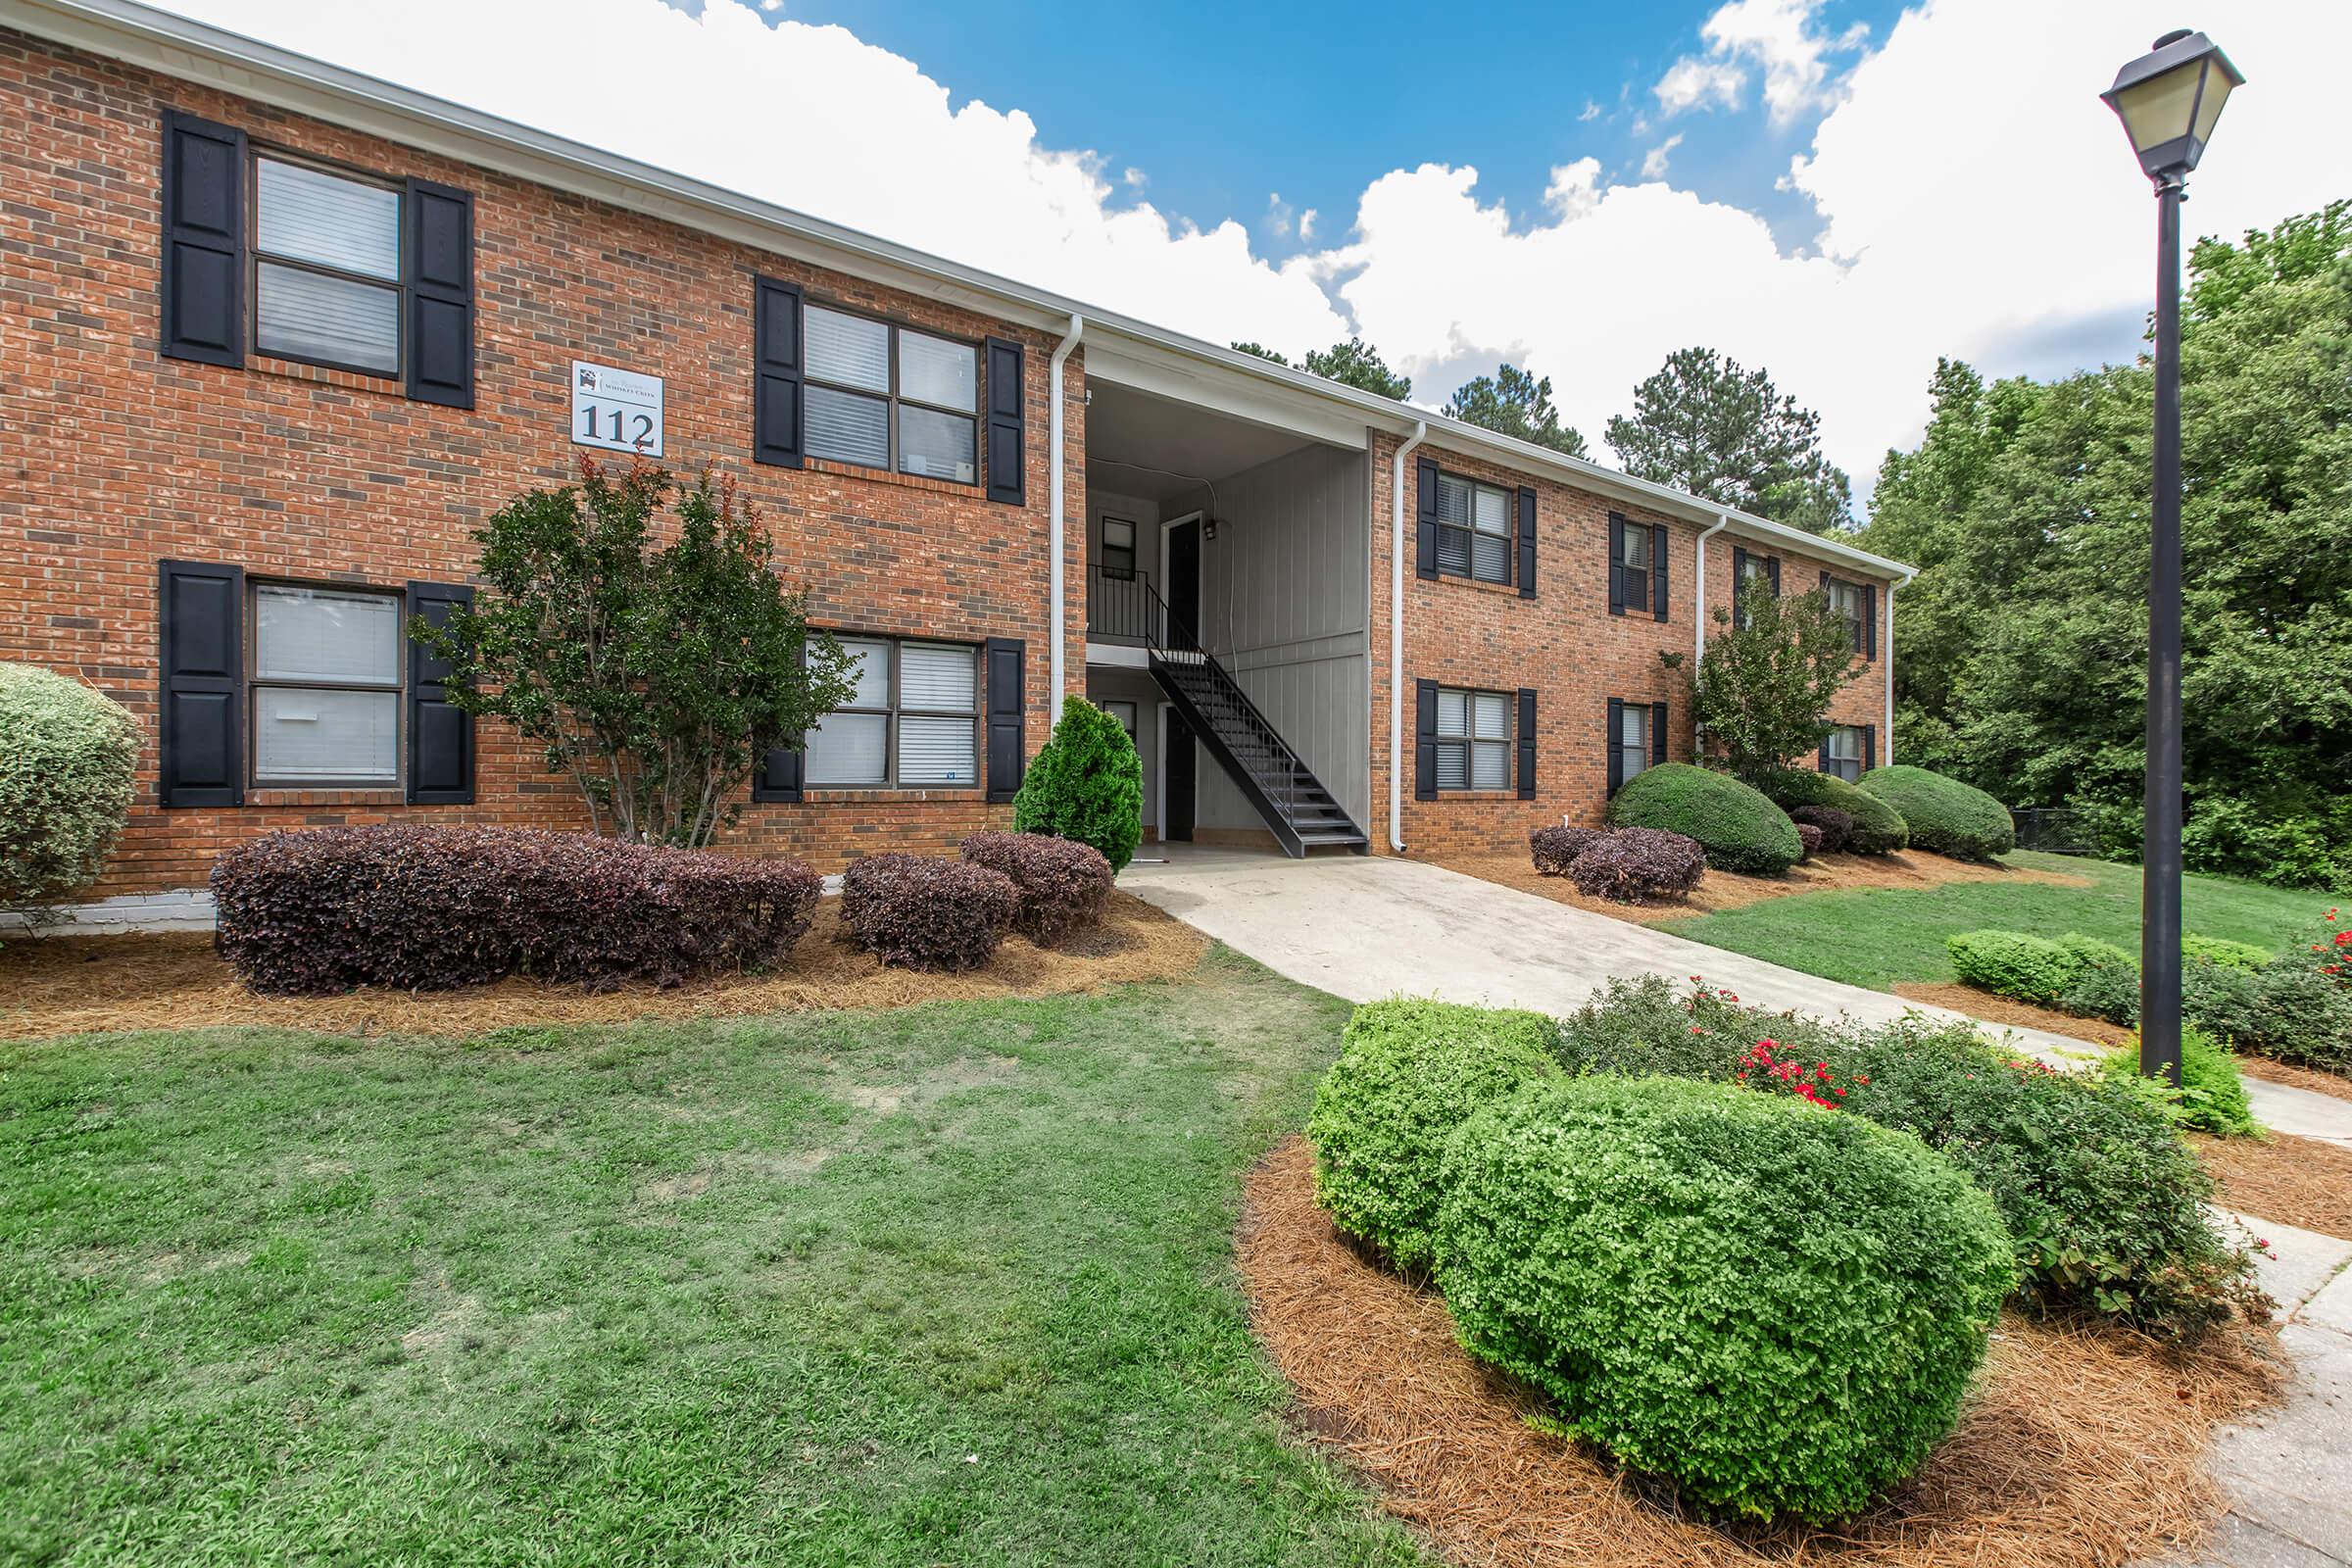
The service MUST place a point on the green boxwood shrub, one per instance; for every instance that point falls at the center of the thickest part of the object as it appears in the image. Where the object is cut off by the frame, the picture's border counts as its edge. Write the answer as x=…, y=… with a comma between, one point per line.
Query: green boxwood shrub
x=1775, y=1307
x=66, y=777
x=2222, y=951
x=2211, y=1098
x=1879, y=828
x=1409, y=1074
x=2042, y=970
x=2104, y=1200
x=1737, y=827
x=1085, y=783
x=1942, y=814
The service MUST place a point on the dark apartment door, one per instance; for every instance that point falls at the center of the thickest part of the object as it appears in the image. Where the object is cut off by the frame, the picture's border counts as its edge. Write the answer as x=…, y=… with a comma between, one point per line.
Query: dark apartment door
x=1176, y=811
x=1184, y=575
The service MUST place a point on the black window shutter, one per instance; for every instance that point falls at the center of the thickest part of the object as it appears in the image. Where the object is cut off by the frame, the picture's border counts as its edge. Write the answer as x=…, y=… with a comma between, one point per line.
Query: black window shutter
x=1870, y=620
x=440, y=735
x=1616, y=565
x=1007, y=718
x=1657, y=734
x=201, y=683
x=204, y=241
x=1772, y=573
x=1657, y=570
x=1526, y=542
x=1425, y=740
x=440, y=288
x=1425, y=540
x=1527, y=737
x=1822, y=764
x=1869, y=747
x=1008, y=412
x=776, y=372
x=1616, y=749
x=778, y=777
x=1739, y=584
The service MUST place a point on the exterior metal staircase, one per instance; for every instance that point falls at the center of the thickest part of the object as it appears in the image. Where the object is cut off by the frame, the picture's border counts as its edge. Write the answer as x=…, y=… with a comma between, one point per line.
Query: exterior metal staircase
x=1301, y=812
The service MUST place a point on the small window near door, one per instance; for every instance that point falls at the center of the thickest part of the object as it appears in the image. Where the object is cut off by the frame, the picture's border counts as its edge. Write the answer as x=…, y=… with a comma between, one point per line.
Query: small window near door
x=1118, y=548
x=1474, y=740
x=326, y=668
x=1846, y=753
x=1124, y=713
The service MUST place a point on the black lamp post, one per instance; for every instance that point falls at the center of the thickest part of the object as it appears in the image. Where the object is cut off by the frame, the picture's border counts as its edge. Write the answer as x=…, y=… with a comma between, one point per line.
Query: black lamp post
x=2168, y=101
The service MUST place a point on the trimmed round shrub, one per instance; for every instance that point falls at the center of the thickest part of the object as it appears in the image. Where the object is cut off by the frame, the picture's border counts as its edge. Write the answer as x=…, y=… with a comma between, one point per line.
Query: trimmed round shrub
x=2222, y=951
x=1636, y=864
x=1555, y=847
x=1086, y=783
x=424, y=909
x=1738, y=828
x=1835, y=826
x=1874, y=826
x=1943, y=814
x=924, y=912
x=1064, y=885
x=2031, y=968
x=1409, y=1074
x=2212, y=1097
x=2105, y=1202
x=68, y=754
x=1777, y=1308
x=1810, y=837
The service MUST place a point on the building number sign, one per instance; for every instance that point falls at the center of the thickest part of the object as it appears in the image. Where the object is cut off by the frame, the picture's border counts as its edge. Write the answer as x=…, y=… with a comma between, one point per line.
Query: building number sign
x=618, y=409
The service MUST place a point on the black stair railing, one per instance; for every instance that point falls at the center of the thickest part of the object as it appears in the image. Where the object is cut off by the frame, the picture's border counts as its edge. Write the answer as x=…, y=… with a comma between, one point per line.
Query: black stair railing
x=1119, y=605
x=1278, y=774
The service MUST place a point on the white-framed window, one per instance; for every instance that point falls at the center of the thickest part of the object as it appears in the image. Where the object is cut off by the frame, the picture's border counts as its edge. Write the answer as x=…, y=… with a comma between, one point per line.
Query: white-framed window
x=1632, y=740
x=326, y=687
x=326, y=267
x=1634, y=542
x=1849, y=601
x=1474, y=740
x=1474, y=529
x=1757, y=574
x=1118, y=548
x=1846, y=753
x=1124, y=713
x=884, y=396
x=912, y=721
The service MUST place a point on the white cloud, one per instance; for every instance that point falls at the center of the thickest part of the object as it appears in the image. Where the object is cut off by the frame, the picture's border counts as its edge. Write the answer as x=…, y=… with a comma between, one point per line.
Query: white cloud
x=1973, y=195
x=1777, y=37
x=1306, y=224
x=1654, y=162
x=1277, y=220
x=1134, y=178
x=1592, y=110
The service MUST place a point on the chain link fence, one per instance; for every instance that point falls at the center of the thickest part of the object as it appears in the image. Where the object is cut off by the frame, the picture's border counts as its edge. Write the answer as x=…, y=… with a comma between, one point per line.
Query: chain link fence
x=2055, y=830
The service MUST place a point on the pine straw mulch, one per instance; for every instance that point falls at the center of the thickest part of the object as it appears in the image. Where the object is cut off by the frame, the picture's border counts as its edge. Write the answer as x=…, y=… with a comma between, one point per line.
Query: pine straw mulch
x=2284, y=1179
x=1726, y=889
x=71, y=984
x=2077, y=1448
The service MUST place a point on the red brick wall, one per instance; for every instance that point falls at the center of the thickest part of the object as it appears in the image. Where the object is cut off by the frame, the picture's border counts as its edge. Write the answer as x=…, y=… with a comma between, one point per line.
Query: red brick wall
x=1563, y=642
x=119, y=458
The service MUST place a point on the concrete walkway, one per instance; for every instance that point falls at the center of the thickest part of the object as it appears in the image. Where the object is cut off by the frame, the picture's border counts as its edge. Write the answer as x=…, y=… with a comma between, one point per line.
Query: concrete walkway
x=1365, y=928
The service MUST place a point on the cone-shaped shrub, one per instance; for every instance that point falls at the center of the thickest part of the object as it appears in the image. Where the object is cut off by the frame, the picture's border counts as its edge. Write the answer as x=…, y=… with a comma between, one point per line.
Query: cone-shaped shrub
x=65, y=782
x=1776, y=1306
x=1086, y=784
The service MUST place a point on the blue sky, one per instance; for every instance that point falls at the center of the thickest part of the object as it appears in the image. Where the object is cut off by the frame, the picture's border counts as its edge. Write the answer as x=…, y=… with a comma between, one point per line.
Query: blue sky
x=1224, y=104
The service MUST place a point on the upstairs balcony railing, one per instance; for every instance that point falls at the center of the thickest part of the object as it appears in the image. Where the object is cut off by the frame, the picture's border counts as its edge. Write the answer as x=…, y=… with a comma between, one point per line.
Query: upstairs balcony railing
x=1121, y=606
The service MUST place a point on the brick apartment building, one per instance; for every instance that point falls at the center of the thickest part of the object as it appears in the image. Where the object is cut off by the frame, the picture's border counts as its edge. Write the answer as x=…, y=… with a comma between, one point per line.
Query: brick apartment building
x=278, y=336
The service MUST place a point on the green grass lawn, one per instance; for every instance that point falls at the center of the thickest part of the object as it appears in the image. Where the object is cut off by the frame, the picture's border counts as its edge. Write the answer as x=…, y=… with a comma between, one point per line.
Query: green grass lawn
x=949, y=1284
x=1882, y=938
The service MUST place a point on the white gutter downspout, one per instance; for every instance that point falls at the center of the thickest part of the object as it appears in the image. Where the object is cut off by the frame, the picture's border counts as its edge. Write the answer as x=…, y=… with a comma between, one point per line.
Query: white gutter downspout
x=1698, y=633
x=1397, y=638
x=1888, y=758
x=1054, y=506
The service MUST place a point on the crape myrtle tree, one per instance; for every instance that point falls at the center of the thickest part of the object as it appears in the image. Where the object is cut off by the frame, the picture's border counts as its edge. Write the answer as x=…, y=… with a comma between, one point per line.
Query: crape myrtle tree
x=653, y=658
x=1762, y=690
x=1706, y=425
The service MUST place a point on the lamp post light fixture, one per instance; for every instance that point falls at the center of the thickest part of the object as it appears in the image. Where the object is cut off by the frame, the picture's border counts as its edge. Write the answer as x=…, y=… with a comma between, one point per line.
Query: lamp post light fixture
x=2167, y=100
